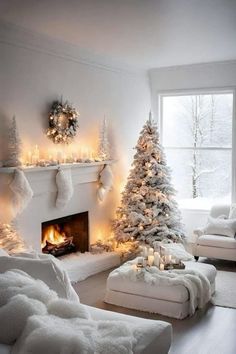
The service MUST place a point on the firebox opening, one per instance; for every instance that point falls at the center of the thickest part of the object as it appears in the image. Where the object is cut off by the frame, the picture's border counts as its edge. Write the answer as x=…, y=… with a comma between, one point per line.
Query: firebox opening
x=65, y=235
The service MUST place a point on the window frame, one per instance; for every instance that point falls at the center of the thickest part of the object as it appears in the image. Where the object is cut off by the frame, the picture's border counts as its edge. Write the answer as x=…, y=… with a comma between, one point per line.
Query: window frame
x=209, y=91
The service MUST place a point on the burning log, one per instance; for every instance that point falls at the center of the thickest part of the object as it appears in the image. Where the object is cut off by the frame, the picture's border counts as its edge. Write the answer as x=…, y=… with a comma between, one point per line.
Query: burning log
x=59, y=249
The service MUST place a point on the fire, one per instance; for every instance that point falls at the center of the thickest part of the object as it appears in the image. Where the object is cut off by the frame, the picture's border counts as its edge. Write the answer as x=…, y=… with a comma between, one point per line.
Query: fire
x=53, y=235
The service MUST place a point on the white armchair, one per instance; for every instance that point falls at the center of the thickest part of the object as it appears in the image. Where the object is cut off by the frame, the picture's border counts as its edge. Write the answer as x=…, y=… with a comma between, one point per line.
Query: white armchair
x=215, y=246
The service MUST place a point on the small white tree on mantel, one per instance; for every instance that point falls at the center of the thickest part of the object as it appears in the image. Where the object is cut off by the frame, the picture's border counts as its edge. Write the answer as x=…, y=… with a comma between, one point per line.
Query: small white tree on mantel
x=104, y=145
x=13, y=146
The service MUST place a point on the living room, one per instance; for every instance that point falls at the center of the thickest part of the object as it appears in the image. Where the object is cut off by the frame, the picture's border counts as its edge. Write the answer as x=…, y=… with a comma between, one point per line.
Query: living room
x=99, y=101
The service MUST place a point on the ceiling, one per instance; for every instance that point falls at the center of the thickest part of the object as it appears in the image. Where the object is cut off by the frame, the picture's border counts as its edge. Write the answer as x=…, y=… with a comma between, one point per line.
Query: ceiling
x=142, y=34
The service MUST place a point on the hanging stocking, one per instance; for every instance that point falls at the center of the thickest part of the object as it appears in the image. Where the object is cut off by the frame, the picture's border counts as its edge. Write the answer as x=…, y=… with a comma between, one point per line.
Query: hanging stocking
x=65, y=188
x=105, y=182
x=22, y=192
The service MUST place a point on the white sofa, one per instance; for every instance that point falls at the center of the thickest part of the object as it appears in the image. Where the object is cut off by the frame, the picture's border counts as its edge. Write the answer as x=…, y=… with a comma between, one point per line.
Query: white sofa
x=215, y=246
x=156, y=336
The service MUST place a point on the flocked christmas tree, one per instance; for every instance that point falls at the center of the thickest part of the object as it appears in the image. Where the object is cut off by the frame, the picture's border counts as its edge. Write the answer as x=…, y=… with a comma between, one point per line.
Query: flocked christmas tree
x=13, y=146
x=104, y=145
x=148, y=210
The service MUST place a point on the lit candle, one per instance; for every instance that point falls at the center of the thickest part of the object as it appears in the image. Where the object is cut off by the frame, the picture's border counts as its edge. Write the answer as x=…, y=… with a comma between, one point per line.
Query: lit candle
x=145, y=252
x=162, y=266
x=156, y=259
x=134, y=267
x=29, y=157
x=150, y=260
x=151, y=251
x=140, y=261
x=36, y=152
x=168, y=258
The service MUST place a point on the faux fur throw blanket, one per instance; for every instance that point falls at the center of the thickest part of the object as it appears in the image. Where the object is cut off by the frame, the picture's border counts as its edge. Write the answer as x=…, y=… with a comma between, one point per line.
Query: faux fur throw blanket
x=37, y=321
x=196, y=283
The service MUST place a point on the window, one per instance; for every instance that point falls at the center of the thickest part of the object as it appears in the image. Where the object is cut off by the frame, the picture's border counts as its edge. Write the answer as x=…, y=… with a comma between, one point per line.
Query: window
x=197, y=136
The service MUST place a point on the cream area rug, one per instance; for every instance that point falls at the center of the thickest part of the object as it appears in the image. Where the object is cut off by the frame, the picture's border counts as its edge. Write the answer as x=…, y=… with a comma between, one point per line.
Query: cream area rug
x=225, y=294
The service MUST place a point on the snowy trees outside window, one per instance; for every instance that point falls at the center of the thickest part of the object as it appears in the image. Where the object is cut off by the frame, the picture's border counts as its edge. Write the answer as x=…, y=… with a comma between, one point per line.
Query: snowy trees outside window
x=197, y=136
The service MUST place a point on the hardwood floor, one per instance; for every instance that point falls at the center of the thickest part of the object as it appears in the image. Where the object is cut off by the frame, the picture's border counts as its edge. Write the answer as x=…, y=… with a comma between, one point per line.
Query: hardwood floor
x=212, y=331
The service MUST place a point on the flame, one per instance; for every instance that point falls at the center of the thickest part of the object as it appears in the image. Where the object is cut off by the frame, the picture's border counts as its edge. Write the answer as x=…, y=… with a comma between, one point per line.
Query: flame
x=53, y=235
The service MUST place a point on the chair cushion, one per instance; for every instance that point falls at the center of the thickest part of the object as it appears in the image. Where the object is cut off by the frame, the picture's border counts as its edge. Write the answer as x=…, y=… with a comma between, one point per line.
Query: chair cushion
x=216, y=241
x=219, y=226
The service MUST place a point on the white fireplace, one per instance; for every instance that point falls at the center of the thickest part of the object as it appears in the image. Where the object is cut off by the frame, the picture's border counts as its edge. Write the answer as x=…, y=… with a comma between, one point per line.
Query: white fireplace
x=42, y=206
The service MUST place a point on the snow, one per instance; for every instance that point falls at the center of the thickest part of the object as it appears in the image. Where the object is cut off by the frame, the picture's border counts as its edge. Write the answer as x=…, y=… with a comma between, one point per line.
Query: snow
x=80, y=266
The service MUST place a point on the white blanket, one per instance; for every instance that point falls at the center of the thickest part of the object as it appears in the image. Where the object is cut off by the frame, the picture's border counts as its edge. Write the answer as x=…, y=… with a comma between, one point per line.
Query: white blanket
x=39, y=322
x=45, y=267
x=191, y=279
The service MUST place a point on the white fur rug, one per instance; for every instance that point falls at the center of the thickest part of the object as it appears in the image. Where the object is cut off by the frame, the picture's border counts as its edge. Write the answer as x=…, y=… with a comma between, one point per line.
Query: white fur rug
x=225, y=295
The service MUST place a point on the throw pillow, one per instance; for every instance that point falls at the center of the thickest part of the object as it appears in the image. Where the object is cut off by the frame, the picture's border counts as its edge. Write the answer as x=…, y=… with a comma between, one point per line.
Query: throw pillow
x=222, y=227
x=232, y=212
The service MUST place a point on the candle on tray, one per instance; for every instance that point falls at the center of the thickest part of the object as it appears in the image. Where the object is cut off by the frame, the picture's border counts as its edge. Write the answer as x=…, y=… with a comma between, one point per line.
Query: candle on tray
x=145, y=252
x=150, y=260
x=140, y=248
x=156, y=259
x=140, y=261
x=168, y=258
x=162, y=266
x=150, y=251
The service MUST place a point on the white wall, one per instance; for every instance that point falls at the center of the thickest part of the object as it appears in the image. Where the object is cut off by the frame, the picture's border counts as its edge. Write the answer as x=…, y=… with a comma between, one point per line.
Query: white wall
x=35, y=70
x=193, y=77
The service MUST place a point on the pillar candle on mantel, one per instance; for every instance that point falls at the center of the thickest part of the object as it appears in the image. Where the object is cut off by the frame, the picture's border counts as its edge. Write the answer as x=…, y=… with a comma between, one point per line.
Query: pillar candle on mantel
x=35, y=156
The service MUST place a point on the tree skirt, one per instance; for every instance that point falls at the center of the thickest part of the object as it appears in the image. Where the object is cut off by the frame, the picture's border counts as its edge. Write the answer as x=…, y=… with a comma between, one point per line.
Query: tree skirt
x=225, y=294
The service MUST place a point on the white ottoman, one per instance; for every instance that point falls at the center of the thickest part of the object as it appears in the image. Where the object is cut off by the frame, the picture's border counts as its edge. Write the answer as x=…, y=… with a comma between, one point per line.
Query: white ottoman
x=171, y=301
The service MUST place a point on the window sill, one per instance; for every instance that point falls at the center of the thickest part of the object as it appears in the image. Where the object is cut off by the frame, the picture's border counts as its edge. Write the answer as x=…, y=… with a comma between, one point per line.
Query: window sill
x=201, y=204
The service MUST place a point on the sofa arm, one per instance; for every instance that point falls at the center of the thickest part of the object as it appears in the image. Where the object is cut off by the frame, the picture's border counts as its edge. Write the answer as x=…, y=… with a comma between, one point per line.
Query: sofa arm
x=197, y=233
x=45, y=269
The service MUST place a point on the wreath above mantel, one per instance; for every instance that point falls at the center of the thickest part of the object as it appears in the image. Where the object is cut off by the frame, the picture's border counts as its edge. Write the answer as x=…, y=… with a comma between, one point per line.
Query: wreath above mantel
x=63, y=123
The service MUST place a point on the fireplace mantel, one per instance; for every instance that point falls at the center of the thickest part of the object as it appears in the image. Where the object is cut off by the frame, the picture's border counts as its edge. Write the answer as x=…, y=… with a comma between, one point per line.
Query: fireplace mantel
x=55, y=167
x=42, y=179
